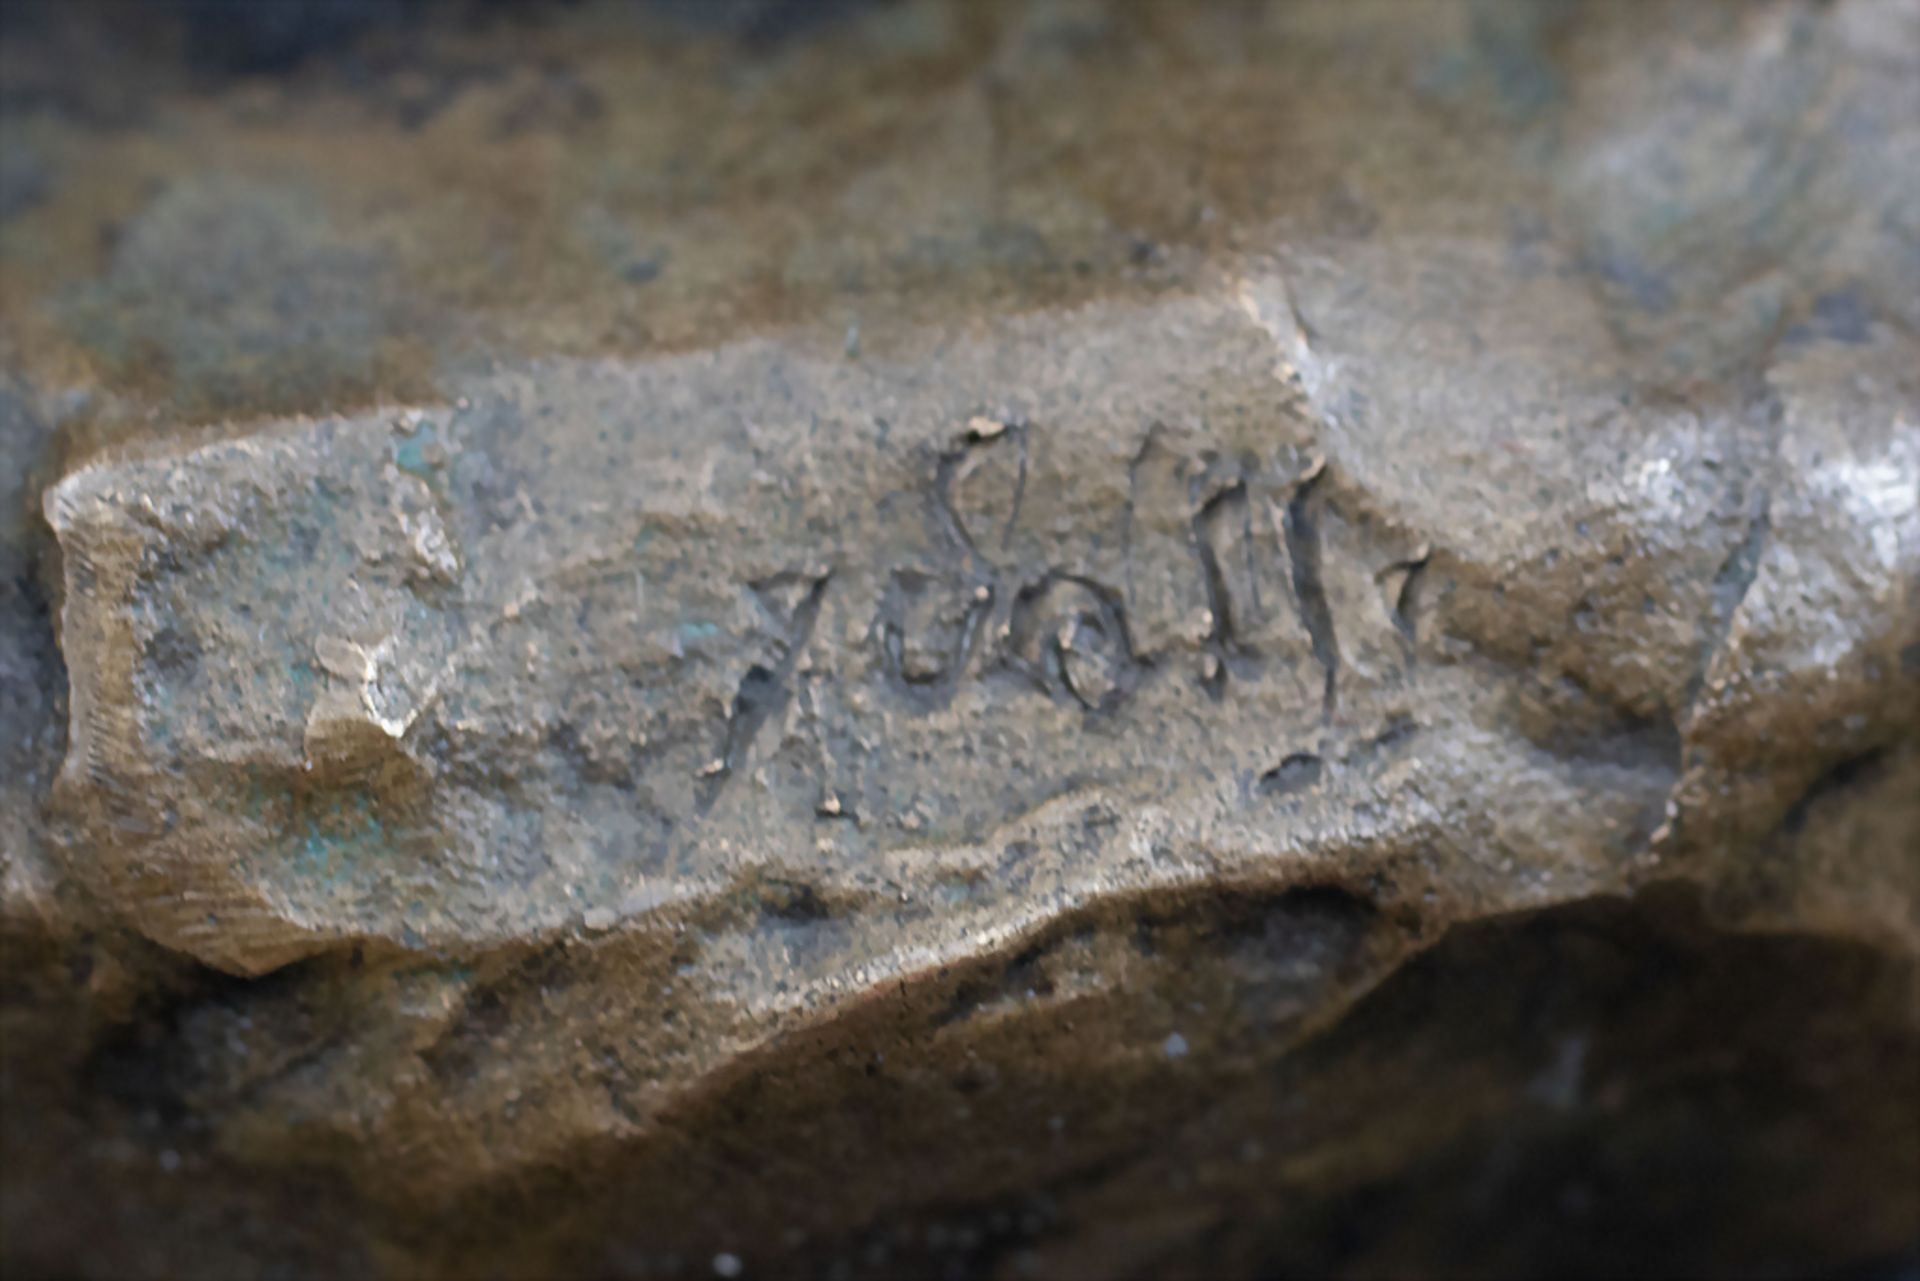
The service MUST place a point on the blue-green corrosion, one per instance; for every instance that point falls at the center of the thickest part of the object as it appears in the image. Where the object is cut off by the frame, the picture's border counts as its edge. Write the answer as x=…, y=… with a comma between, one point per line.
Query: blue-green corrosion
x=335, y=846
x=410, y=453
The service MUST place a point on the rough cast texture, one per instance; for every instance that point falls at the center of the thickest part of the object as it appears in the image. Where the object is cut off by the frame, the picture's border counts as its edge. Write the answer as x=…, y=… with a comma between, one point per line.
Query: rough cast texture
x=973, y=640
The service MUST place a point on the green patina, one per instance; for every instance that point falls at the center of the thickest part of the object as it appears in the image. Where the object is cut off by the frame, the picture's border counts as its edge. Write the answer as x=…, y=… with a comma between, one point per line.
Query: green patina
x=410, y=454
x=333, y=846
x=699, y=629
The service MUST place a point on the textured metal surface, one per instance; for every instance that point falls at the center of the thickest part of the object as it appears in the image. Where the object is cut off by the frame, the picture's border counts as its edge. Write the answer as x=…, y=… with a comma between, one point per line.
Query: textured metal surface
x=962, y=639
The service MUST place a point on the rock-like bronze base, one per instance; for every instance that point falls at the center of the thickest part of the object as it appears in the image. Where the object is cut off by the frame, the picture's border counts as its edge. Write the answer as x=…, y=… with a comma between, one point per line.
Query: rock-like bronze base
x=962, y=640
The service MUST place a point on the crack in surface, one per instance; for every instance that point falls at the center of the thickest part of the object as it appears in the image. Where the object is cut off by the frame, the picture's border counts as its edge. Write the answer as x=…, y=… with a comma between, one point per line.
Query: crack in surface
x=1731, y=583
